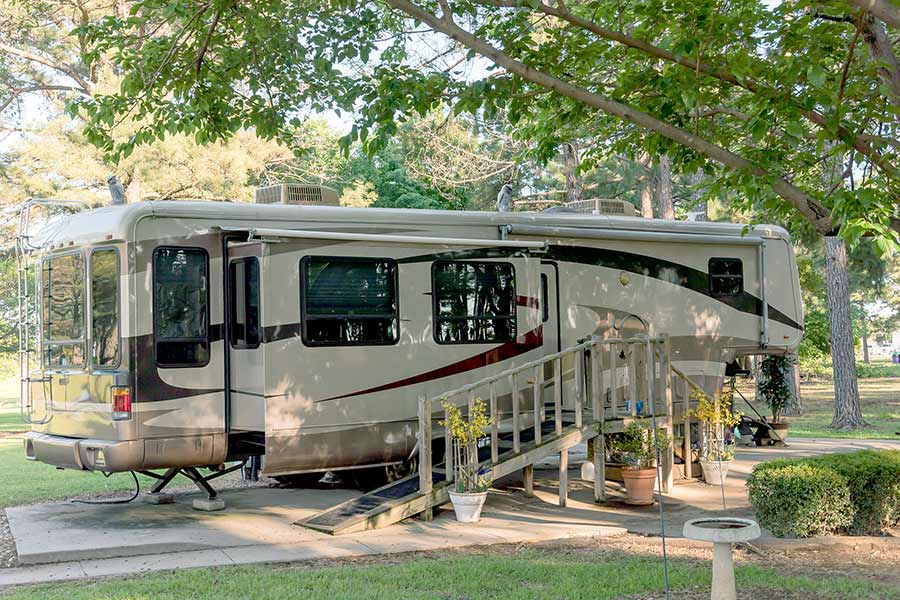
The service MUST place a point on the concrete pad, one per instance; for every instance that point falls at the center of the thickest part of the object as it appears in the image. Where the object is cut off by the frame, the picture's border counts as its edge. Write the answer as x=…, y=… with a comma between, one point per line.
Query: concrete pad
x=317, y=549
x=208, y=504
x=63, y=531
x=154, y=562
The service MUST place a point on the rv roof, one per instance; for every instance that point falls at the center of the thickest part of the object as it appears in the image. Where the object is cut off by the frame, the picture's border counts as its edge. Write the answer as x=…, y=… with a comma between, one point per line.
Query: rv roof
x=116, y=222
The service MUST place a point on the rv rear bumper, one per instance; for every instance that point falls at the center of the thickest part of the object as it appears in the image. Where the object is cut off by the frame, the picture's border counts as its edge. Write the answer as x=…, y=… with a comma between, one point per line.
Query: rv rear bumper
x=84, y=454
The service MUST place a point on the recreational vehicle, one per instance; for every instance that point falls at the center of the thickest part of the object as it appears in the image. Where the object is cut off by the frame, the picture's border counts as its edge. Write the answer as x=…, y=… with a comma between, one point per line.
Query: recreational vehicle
x=191, y=334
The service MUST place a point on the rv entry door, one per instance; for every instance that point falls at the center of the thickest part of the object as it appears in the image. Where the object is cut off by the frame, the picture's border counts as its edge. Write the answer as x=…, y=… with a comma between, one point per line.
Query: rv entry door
x=244, y=338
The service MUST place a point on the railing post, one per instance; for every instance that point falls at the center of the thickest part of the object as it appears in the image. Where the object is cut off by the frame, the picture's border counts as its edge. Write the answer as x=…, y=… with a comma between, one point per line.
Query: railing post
x=688, y=452
x=557, y=397
x=495, y=418
x=425, y=481
x=516, y=398
x=579, y=385
x=564, y=476
x=538, y=400
x=448, y=447
x=613, y=382
x=632, y=380
x=597, y=421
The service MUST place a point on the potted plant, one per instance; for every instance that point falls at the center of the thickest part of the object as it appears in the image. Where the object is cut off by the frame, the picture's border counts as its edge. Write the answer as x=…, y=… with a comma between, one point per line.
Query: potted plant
x=636, y=450
x=470, y=483
x=774, y=387
x=716, y=415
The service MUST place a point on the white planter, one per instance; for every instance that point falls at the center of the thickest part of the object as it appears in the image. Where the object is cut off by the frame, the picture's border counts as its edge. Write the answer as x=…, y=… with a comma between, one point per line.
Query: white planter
x=468, y=506
x=714, y=471
x=587, y=471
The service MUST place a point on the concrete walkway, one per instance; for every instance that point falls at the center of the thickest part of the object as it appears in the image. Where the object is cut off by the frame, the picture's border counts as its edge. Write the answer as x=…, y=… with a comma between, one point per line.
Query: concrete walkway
x=64, y=541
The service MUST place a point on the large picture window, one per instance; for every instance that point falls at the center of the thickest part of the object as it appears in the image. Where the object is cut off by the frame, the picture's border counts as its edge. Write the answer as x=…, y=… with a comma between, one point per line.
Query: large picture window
x=726, y=276
x=105, y=308
x=349, y=301
x=181, y=306
x=474, y=302
x=62, y=286
x=244, y=285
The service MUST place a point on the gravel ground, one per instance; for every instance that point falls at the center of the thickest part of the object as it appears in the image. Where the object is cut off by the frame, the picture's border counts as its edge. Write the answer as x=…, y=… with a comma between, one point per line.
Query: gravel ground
x=8, y=556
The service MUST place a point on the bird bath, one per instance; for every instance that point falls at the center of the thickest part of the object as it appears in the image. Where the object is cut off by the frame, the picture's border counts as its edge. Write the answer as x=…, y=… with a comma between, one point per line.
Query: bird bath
x=723, y=532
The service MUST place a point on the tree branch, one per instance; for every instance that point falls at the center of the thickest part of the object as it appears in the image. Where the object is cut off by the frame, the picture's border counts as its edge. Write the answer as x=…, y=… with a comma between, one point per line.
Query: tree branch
x=205, y=46
x=16, y=92
x=60, y=68
x=884, y=10
x=803, y=202
x=748, y=84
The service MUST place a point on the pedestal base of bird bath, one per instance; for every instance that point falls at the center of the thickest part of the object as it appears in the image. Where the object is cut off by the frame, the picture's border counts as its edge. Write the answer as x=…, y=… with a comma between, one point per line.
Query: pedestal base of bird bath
x=723, y=533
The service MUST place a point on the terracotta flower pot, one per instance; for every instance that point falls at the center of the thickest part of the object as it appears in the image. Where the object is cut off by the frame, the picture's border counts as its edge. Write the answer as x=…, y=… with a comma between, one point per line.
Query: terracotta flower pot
x=639, y=485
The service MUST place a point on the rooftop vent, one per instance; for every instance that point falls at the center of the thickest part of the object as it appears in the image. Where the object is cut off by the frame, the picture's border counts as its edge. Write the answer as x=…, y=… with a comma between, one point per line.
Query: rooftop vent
x=603, y=206
x=295, y=193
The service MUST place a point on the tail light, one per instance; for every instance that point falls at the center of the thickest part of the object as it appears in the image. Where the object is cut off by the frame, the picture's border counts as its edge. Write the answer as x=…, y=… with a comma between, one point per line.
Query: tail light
x=121, y=397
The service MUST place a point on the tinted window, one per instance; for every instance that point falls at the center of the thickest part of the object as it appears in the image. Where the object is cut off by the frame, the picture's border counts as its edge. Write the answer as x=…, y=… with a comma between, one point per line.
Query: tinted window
x=474, y=302
x=244, y=284
x=105, y=308
x=180, y=306
x=349, y=301
x=545, y=298
x=726, y=276
x=63, y=310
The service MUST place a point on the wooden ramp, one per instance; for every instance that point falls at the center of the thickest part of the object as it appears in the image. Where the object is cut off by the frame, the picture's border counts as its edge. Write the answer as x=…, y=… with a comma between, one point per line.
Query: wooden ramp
x=560, y=424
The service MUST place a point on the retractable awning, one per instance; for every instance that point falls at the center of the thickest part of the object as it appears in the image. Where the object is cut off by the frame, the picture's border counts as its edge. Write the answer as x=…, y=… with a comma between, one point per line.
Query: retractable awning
x=267, y=234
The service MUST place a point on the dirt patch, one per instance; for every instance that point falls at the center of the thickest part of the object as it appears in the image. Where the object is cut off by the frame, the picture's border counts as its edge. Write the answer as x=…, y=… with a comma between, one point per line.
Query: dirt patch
x=742, y=594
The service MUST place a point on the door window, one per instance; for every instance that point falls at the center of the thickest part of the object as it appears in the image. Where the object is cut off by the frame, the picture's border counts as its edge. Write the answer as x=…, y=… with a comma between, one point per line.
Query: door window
x=181, y=306
x=244, y=284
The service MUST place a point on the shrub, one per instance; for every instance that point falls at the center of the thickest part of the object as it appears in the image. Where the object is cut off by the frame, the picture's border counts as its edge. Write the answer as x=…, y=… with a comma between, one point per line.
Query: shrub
x=798, y=499
x=856, y=493
x=873, y=478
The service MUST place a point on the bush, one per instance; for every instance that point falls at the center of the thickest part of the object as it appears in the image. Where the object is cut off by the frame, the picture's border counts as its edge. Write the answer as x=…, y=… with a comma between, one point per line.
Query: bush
x=856, y=493
x=798, y=499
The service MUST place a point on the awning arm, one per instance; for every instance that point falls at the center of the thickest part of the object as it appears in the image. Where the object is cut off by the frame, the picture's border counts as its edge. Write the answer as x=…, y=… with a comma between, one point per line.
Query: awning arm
x=265, y=234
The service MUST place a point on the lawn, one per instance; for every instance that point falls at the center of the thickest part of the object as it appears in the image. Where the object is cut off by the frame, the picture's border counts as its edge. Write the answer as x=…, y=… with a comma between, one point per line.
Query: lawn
x=530, y=573
x=880, y=399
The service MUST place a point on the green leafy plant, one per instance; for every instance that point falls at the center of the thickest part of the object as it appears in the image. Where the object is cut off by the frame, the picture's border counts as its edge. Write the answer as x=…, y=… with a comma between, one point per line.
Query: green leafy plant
x=715, y=415
x=773, y=384
x=856, y=493
x=635, y=446
x=465, y=433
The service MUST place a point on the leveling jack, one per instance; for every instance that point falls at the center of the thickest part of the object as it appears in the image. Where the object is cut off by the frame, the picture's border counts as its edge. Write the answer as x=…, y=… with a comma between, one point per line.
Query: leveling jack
x=211, y=503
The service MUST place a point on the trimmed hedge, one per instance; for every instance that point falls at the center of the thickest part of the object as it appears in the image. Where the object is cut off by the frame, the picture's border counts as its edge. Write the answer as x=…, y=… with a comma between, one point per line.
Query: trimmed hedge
x=856, y=493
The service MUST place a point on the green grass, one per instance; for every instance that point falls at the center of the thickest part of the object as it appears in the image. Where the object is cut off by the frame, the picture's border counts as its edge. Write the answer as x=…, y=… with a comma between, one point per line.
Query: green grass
x=879, y=398
x=526, y=575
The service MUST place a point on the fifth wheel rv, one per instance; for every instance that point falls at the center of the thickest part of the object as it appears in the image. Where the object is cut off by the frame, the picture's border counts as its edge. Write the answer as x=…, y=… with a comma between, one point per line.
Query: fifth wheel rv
x=180, y=335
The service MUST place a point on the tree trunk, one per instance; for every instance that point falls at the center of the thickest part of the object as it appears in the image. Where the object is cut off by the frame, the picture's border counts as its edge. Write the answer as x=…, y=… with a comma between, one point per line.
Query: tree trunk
x=574, y=183
x=646, y=186
x=700, y=209
x=847, y=412
x=664, y=202
x=794, y=406
x=883, y=55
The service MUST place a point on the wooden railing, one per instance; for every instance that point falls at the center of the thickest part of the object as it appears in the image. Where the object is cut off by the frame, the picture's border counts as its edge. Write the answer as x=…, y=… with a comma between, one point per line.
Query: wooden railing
x=600, y=399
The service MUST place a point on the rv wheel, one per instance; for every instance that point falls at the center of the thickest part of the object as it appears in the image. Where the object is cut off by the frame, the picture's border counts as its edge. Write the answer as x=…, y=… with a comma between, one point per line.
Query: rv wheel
x=375, y=477
x=299, y=480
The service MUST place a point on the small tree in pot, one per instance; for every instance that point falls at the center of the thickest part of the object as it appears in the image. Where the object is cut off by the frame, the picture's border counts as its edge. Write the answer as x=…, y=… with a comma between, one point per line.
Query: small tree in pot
x=716, y=416
x=635, y=448
x=470, y=483
x=774, y=387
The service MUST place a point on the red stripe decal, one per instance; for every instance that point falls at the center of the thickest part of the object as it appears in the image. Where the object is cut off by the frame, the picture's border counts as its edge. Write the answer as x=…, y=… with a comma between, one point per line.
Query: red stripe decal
x=532, y=340
x=528, y=302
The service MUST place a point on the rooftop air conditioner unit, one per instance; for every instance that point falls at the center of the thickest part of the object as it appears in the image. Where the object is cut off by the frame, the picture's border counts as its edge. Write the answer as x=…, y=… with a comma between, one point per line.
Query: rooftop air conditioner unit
x=604, y=206
x=295, y=193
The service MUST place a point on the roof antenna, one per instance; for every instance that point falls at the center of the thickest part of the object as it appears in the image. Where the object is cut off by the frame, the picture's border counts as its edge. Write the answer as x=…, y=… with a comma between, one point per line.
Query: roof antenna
x=504, y=197
x=116, y=190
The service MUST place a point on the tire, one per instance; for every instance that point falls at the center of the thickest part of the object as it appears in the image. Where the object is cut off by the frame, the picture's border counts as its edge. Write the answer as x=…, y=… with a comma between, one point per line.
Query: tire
x=372, y=478
x=299, y=480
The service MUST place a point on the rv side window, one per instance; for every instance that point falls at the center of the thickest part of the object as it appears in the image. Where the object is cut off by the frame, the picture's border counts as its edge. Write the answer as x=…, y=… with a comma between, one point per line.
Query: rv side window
x=244, y=285
x=348, y=301
x=545, y=298
x=474, y=302
x=105, y=308
x=726, y=276
x=62, y=287
x=181, y=306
